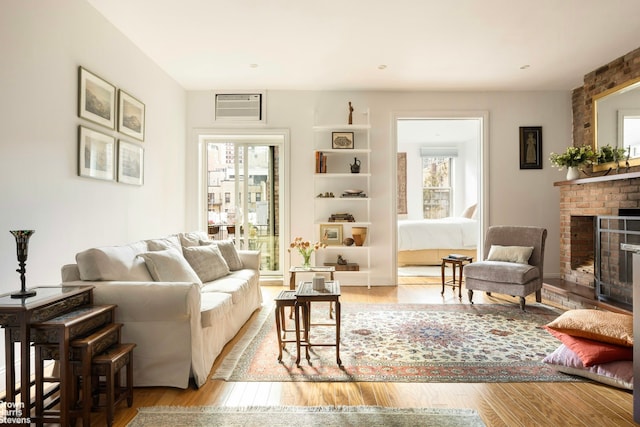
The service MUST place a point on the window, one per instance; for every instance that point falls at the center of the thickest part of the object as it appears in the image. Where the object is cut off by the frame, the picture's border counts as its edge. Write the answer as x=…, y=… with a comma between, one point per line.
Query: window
x=436, y=187
x=227, y=197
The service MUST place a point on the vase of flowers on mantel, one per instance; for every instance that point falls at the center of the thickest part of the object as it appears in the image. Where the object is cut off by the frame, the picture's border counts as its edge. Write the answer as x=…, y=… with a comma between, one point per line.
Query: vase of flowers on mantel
x=574, y=158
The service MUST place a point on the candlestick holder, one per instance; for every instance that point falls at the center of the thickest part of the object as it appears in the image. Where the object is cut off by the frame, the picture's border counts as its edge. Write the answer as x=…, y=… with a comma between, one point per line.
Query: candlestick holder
x=22, y=243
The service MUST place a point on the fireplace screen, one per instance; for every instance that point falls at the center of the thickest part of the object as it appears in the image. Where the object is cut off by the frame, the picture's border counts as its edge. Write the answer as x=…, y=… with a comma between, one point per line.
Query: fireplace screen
x=614, y=265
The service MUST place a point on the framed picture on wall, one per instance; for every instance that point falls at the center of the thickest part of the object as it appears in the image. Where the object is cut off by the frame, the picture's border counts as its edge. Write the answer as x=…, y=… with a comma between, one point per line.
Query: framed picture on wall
x=341, y=140
x=96, y=99
x=130, y=163
x=130, y=116
x=96, y=153
x=331, y=234
x=531, y=147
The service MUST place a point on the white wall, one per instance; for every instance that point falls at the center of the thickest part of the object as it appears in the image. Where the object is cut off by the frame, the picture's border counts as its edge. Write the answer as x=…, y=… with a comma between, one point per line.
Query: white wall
x=515, y=196
x=43, y=43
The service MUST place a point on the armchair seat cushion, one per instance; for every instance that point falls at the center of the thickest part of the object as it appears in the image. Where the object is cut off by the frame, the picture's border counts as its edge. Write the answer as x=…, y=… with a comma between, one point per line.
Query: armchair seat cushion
x=501, y=272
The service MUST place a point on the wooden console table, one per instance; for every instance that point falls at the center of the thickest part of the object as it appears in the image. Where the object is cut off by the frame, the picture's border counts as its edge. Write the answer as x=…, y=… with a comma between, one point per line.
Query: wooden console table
x=16, y=316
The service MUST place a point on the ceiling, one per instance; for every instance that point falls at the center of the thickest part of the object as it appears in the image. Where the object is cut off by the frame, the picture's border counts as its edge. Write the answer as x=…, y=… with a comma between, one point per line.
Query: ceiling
x=460, y=45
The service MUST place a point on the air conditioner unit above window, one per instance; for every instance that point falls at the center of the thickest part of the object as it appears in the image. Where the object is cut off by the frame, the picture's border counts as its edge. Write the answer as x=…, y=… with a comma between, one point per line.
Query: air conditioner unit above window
x=241, y=107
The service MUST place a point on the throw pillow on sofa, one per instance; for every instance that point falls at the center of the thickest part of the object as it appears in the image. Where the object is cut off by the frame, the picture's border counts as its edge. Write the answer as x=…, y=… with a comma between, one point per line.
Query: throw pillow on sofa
x=206, y=261
x=169, y=266
x=228, y=251
x=113, y=263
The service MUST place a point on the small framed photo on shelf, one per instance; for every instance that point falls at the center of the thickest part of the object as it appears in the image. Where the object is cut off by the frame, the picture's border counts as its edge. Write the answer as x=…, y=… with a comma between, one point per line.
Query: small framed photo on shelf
x=341, y=140
x=531, y=147
x=130, y=116
x=331, y=234
x=96, y=99
x=96, y=153
x=130, y=163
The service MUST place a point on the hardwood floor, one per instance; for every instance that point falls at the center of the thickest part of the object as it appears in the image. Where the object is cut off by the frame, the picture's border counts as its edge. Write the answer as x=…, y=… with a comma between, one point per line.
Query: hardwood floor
x=499, y=404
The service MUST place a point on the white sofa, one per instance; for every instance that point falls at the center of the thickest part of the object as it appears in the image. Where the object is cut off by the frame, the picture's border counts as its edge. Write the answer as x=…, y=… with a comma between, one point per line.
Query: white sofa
x=179, y=322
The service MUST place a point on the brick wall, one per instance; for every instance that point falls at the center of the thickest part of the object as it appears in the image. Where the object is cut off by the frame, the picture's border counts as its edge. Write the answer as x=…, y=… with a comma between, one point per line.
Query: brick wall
x=618, y=71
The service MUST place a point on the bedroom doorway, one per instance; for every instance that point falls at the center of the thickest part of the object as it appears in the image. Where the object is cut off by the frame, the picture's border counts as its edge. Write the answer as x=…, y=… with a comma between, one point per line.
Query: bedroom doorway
x=439, y=192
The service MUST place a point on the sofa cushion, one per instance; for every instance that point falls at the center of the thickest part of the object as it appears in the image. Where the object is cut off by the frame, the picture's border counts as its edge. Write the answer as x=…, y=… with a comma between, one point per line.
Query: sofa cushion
x=237, y=284
x=206, y=261
x=517, y=254
x=501, y=272
x=172, y=241
x=214, y=308
x=114, y=263
x=169, y=266
x=228, y=251
x=192, y=238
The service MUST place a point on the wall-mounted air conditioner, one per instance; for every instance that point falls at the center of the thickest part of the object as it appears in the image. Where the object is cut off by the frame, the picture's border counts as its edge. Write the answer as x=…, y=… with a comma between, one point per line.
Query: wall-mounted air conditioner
x=240, y=107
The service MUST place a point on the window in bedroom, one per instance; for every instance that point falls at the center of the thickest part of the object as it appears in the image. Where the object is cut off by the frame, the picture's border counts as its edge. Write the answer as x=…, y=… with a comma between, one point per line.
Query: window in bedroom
x=436, y=186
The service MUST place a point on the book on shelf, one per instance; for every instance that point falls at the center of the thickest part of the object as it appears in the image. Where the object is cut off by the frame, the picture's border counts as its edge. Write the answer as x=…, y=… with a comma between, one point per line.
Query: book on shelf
x=321, y=162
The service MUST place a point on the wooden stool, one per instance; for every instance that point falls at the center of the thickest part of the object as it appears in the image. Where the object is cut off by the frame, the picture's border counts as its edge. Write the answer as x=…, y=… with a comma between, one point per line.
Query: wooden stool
x=284, y=299
x=108, y=365
x=82, y=352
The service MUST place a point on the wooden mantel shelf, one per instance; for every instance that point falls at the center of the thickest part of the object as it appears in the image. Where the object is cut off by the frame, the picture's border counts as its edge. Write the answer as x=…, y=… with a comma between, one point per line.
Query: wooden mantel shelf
x=596, y=179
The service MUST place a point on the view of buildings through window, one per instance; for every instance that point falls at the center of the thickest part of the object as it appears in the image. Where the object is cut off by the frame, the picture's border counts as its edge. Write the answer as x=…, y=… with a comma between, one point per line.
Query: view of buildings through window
x=222, y=205
x=436, y=187
x=242, y=197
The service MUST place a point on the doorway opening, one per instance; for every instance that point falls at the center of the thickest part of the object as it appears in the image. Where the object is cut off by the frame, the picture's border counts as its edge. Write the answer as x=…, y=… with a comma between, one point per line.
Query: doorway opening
x=440, y=192
x=243, y=182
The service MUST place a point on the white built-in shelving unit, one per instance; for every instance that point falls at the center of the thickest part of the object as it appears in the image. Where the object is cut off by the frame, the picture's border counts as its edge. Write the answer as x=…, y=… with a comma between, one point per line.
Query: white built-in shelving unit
x=337, y=179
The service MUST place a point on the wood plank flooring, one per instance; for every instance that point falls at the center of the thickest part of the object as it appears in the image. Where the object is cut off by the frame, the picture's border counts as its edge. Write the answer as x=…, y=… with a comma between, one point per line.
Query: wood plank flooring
x=499, y=404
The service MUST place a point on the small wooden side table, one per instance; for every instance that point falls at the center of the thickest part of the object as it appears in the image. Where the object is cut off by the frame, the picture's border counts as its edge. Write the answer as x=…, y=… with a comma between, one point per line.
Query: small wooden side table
x=305, y=295
x=459, y=262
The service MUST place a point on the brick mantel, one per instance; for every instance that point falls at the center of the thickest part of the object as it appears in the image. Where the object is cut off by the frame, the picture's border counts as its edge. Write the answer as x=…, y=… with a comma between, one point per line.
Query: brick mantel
x=594, y=179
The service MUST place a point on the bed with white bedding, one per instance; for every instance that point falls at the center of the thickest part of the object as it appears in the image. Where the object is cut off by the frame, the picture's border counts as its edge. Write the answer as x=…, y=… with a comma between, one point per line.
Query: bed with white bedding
x=427, y=241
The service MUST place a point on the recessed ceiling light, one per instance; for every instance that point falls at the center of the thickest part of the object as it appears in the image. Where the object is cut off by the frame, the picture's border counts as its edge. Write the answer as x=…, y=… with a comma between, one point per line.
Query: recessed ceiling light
x=382, y=66
x=253, y=65
x=524, y=67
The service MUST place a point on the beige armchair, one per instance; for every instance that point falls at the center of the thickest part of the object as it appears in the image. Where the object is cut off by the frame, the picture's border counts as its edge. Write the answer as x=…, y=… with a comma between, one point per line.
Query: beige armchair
x=507, y=268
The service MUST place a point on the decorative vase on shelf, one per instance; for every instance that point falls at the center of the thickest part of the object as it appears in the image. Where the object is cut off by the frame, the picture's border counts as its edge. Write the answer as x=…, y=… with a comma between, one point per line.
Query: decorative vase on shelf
x=22, y=250
x=573, y=173
x=359, y=235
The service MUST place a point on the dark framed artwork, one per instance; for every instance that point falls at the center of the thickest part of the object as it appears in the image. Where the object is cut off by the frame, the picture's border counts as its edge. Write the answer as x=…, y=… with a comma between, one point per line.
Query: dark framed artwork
x=531, y=147
x=341, y=140
x=130, y=116
x=96, y=99
x=96, y=153
x=130, y=163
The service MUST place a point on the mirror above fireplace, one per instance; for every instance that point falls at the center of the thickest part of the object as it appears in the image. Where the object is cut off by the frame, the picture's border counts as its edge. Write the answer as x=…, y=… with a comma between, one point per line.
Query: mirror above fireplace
x=617, y=120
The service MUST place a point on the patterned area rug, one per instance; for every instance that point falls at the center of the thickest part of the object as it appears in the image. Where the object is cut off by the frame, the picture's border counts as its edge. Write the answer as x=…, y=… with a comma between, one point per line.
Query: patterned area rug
x=409, y=343
x=372, y=416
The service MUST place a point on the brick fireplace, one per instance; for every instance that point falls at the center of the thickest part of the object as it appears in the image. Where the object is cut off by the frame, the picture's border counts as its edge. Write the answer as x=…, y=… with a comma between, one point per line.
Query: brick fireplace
x=582, y=201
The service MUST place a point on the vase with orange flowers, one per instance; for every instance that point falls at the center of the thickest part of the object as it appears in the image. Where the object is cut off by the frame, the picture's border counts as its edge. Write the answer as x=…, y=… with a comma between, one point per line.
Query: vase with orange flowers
x=305, y=248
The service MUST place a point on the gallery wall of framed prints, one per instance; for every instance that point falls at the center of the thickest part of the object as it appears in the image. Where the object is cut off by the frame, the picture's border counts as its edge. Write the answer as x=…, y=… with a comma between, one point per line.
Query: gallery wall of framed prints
x=118, y=116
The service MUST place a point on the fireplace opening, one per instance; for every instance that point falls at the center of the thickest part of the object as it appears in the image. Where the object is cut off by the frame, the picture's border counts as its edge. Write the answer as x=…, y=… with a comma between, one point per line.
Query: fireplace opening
x=583, y=248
